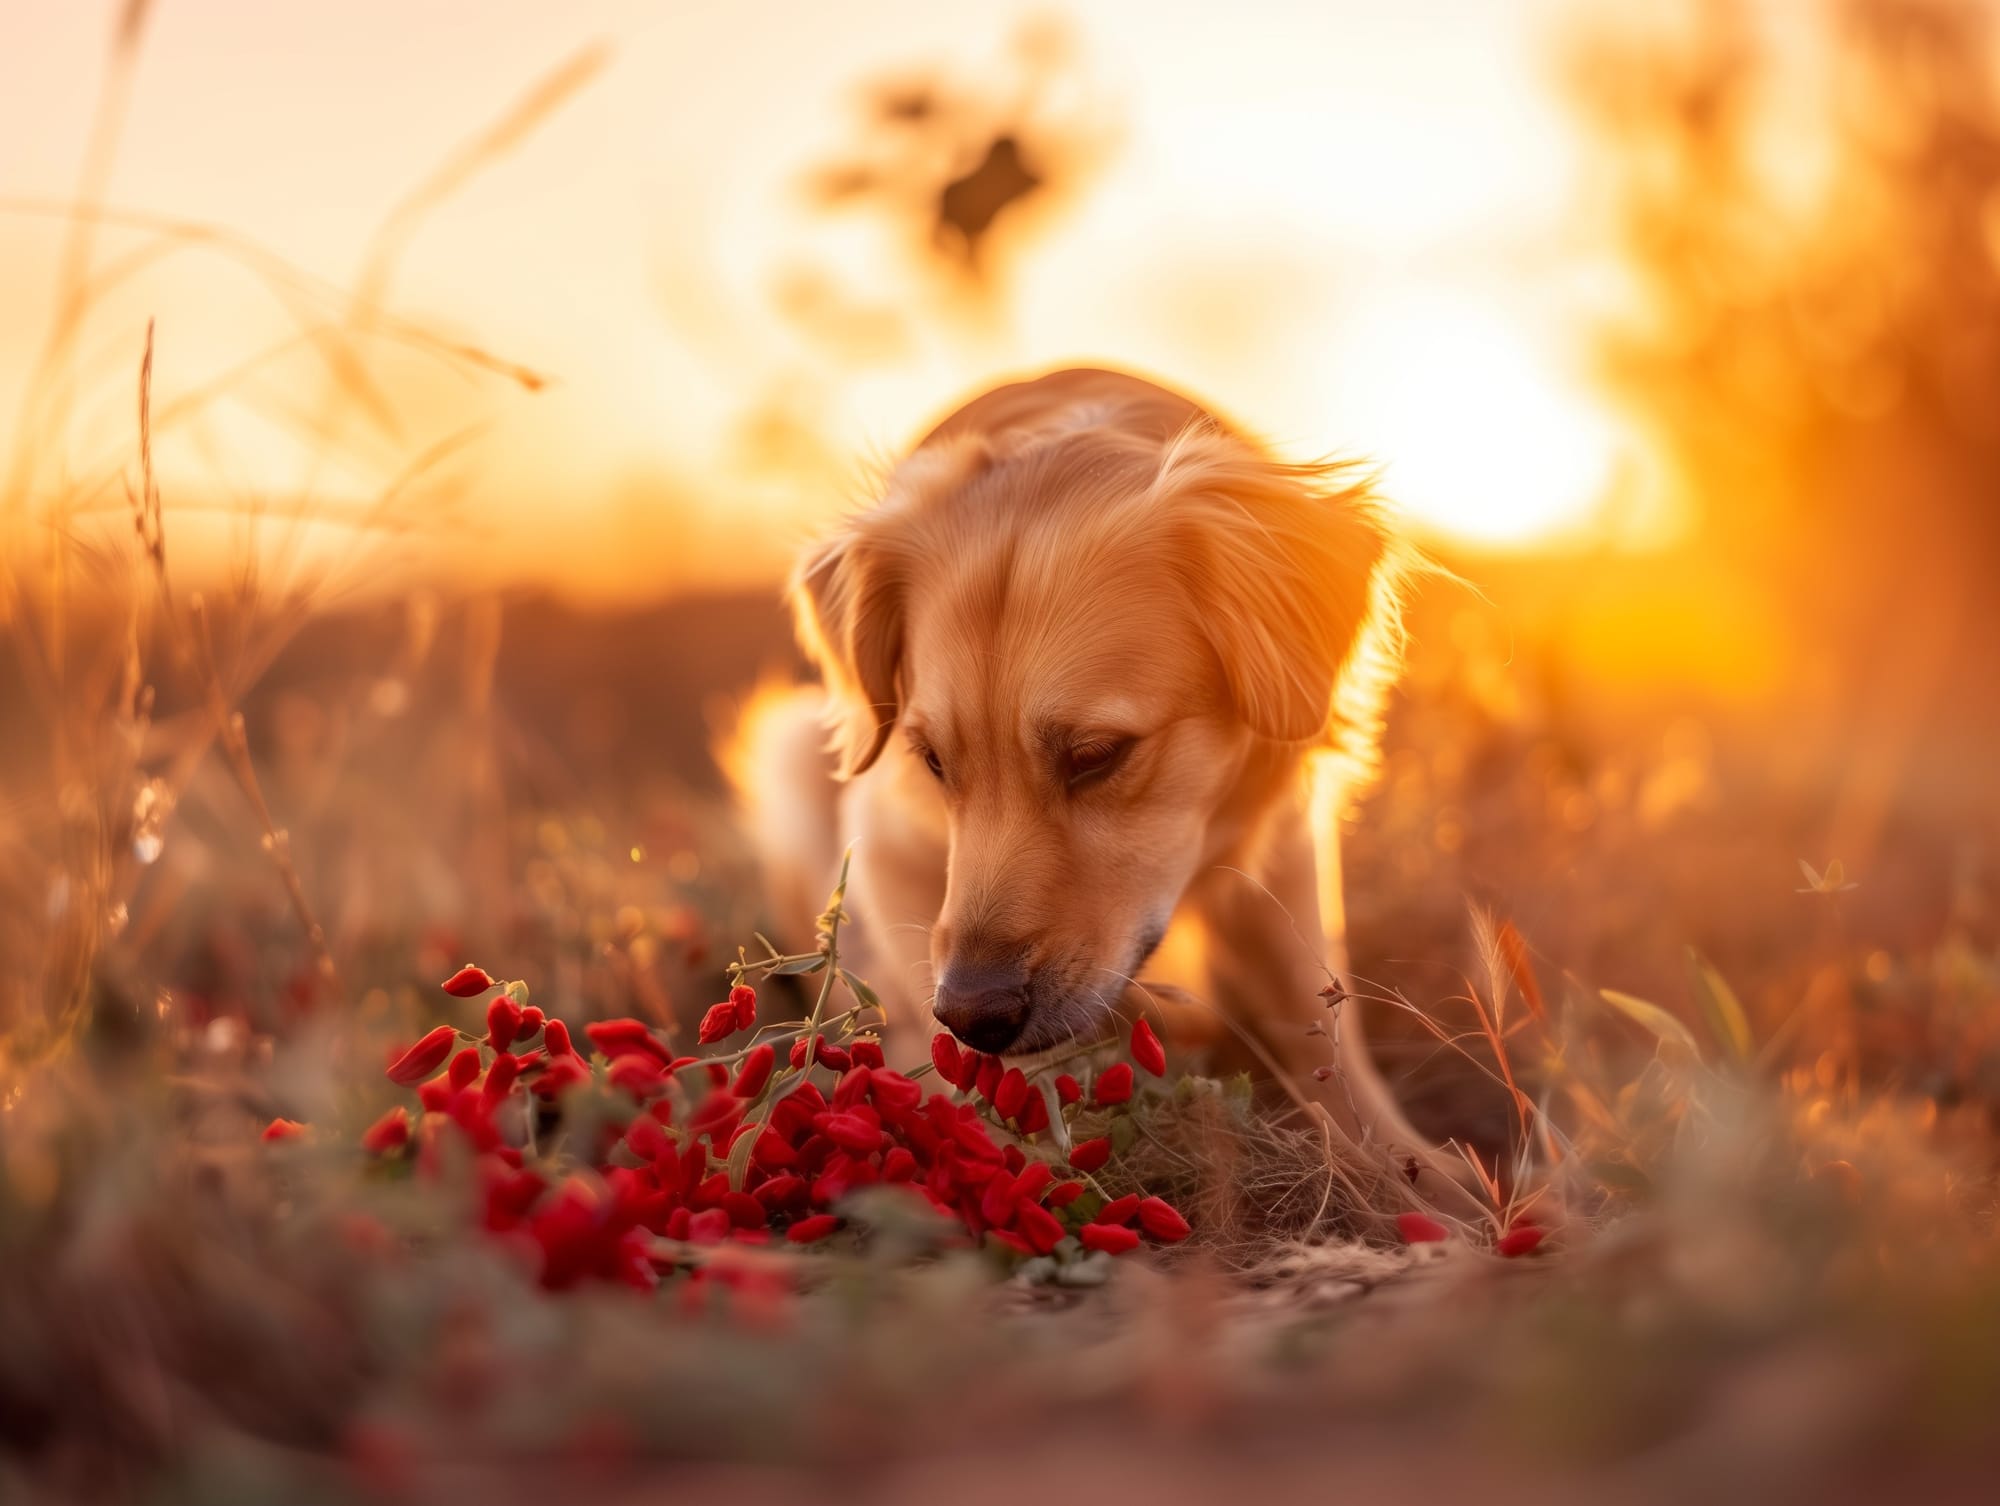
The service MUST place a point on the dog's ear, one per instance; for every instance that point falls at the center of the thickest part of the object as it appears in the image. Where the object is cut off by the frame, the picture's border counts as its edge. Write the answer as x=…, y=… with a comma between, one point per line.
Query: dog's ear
x=1288, y=568
x=848, y=597
x=849, y=613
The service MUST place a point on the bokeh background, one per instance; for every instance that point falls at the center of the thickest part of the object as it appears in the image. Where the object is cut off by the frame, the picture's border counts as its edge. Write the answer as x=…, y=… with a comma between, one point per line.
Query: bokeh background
x=407, y=415
x=503, y=355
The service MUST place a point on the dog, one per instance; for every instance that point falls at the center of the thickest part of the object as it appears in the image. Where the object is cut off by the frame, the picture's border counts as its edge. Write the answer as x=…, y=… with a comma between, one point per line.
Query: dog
x=1098, y=673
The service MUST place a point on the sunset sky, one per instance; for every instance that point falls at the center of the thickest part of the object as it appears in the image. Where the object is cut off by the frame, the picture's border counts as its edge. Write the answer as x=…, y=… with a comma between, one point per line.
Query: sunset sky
x=1342, y=222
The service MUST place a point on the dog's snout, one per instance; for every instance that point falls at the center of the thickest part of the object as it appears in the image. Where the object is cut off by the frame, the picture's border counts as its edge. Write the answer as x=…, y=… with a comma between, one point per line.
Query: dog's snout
x=984, y=1005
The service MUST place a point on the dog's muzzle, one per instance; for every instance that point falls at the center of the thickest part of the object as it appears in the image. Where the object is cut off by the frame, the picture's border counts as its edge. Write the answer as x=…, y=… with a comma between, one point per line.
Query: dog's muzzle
x=985, y=1006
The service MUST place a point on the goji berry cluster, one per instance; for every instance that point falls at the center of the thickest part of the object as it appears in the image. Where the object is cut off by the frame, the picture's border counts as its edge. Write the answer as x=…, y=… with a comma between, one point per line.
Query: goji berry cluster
x=689, y=1153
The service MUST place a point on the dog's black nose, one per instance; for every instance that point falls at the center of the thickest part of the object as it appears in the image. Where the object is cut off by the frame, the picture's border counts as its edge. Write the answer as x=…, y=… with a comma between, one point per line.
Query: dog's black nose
x=984, y=1006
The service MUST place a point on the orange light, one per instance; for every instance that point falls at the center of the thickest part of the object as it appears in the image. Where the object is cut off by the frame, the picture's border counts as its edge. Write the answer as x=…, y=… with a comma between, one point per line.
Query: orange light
x=1484, y=438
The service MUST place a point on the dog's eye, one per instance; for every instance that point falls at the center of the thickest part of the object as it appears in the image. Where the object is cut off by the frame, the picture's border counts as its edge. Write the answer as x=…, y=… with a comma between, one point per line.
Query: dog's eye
x=1090, y=761
x=932, y=761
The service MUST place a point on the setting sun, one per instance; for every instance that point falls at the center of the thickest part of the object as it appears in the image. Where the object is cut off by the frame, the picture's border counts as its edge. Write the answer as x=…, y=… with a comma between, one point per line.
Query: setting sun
x=1482, y=438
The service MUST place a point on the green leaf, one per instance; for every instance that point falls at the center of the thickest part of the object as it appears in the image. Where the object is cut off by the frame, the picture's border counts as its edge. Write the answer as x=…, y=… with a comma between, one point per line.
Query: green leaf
x=1084, y=1207
x=860, y=989
x=1723, y=1009
x=1655, y=1019
x=797, y=966
x=1124, y=1133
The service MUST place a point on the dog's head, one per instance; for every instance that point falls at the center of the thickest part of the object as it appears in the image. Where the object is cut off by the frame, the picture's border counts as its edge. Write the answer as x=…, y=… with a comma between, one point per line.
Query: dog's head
x=1101, y=656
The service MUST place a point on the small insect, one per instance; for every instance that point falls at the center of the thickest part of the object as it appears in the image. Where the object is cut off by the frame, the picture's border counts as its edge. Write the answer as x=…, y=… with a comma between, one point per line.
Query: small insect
x=1833, y=881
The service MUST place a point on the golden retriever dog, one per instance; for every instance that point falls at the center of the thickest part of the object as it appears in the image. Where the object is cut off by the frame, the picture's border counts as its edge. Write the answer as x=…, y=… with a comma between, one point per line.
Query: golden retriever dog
x=1097, y=671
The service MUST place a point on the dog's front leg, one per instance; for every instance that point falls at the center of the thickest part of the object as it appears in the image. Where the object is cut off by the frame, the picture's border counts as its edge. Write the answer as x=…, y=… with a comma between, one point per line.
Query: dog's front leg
x=1270, y=960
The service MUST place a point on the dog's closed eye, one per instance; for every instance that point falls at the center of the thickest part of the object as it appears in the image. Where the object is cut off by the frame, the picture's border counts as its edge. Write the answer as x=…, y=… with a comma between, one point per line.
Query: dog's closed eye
x=1095, y=760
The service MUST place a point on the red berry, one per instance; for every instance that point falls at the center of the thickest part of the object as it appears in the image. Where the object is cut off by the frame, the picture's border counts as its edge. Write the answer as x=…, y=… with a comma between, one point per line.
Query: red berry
x=1042, y=1228
x=500, y=1076
x=783, y=1191
x=1089, y=1155
x=1162, y=1220
x=561, y=1074
x=503, y=1022
x=555, y=1039
x=283, y=1129
x=773, y=1151
x=1067, y=1090
x=743, y=1000
x=1523, y=1239
x=464, y=1068
x=968, y=1071
x=647, y=1138
x=466, y=982
x=1035, y=1117
x=1114, y=1085
x=1120, y=1210
x=531, y=1020
x=991, y=1069
x=852, y=1132
x=1147, y=1051
x=717, y=1117
x=997, y=1202
x=1011, y=1093
x=709, y=1227
x=1110, y=1238
x=718, y=1024
x=616, y=1038
x=638, y=1074
x=811, y=1230
x=851, y=1089
x=1031, y=1181
x=1421, y=1229
x=892, y=1090
x=822, y=1051
x=423, y=1058
x=946, y=1057
x=755, y=1071
x=390, y=1132
x=867, y=1052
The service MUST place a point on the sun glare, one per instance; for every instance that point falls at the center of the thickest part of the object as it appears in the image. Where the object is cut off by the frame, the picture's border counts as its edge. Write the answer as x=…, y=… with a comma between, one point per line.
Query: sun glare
x=1484, y=440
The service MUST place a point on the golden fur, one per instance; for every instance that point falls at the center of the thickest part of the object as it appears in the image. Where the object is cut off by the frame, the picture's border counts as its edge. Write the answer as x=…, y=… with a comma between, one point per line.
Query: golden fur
x=1083, y=661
